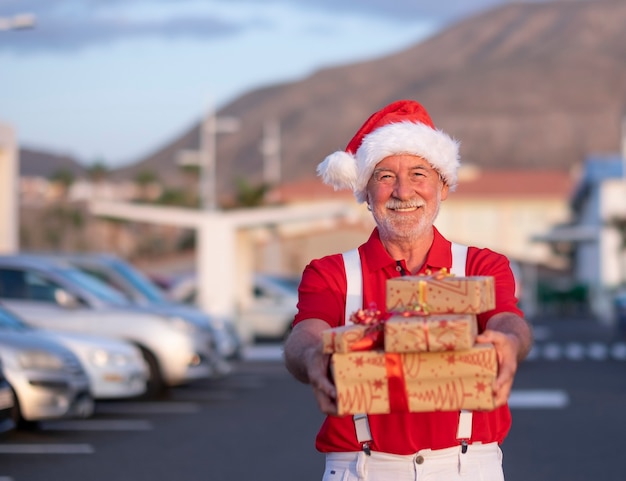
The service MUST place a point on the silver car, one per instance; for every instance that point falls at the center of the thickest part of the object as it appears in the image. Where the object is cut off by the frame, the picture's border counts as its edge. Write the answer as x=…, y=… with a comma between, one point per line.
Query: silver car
x=142, y=291
x=270, y=314
x=48, y=381
x=115, y=368
x=52, y=294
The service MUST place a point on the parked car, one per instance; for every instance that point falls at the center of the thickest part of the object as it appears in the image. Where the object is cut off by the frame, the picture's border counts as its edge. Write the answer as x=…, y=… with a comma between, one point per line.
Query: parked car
x=54, y=295
x=273, y=307
x=7, y=401
x=47, y=380
x=139, y=289
x=115, y=368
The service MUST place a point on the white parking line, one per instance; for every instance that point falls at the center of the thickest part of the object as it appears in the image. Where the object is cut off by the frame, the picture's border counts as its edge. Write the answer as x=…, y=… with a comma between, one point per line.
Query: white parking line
x=46, y=449
x=538, y=399
x=598, y=351
x=147, y=407
x=97, y=425
x=618, y=351
x=269, y=352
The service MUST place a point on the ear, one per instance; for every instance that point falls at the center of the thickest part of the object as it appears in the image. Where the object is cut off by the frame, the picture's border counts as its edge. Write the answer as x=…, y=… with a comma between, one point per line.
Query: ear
x=444, y=191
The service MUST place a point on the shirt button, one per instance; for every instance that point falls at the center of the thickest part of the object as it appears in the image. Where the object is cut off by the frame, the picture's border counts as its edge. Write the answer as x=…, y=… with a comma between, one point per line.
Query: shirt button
x=419, y=459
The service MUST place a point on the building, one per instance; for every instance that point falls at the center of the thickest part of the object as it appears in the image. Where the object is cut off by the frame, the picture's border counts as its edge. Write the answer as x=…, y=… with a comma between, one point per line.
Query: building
x=595, y=238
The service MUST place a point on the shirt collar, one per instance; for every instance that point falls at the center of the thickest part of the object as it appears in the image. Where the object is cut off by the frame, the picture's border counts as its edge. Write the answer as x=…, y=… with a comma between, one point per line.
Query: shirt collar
x=439, y=255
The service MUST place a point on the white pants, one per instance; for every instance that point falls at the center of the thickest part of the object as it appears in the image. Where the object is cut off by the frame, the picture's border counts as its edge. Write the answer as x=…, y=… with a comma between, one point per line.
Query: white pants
x=481, y=462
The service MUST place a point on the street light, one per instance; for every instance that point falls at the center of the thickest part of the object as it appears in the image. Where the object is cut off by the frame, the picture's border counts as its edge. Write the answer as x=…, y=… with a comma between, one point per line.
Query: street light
x=21, y=21
x=205, y=156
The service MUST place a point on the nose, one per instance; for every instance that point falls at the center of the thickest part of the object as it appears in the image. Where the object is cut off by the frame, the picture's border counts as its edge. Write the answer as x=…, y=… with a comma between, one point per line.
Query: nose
x=403, y=189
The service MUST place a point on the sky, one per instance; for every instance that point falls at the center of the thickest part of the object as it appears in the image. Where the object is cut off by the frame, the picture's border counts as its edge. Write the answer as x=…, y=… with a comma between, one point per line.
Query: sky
x=112, y=81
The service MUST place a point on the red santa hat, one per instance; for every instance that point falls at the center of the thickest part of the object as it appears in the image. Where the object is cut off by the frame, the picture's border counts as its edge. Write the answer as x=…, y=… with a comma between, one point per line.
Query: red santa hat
x=403, y=127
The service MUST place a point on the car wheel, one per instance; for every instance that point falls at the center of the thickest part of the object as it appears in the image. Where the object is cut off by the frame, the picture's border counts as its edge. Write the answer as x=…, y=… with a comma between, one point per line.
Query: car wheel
x=155, y=387
x=18, y=420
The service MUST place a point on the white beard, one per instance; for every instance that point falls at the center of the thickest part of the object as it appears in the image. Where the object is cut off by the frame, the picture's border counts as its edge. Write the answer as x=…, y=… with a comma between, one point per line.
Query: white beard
x=407, y=228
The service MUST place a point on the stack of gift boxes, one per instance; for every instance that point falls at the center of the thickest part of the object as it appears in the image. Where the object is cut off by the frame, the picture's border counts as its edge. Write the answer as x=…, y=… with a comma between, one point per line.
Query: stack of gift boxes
x=419, y=354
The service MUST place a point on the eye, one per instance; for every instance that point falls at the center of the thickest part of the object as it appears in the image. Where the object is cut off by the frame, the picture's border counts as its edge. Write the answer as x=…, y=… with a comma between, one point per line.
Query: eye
x=384, y=177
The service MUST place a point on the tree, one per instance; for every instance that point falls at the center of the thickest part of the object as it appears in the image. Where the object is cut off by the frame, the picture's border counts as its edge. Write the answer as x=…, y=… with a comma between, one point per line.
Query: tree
x=249, y=195
x=144, y=179
x=64, y=178
x=98, y=171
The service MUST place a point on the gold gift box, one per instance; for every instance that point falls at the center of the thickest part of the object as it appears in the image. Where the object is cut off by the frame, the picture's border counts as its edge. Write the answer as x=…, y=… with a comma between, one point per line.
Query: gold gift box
x=436, y=332
x=339, y=339
x=376, y=382
x=441, y=295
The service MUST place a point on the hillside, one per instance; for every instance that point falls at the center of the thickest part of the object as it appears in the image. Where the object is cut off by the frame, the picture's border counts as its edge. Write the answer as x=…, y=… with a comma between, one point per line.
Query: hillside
x=35, y=163
x=523, y=86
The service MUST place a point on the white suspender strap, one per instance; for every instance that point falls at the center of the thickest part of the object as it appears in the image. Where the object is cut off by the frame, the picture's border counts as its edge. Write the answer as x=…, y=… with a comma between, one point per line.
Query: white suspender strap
x=354, y=276
x=354, y=302
x=459, y=262
x=459, y=259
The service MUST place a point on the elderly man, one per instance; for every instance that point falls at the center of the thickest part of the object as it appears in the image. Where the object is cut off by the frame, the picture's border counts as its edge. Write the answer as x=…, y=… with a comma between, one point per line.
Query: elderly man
x=403, y=168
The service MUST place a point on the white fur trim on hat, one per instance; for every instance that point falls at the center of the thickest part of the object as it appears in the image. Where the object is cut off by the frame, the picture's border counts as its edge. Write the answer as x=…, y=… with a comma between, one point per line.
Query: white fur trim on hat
x=339, y=170
x=344, y=171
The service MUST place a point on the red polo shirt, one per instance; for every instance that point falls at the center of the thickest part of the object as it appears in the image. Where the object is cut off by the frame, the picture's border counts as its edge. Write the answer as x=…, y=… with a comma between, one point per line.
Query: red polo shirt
x=322, y=295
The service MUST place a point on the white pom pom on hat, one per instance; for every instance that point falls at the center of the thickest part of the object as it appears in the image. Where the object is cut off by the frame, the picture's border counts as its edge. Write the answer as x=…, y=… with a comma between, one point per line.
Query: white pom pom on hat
x=400, y=127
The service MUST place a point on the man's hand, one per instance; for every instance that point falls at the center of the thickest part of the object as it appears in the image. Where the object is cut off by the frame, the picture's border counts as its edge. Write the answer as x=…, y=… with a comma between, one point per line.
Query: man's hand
x=318, y=369
x=512, y=339
x=306, y=361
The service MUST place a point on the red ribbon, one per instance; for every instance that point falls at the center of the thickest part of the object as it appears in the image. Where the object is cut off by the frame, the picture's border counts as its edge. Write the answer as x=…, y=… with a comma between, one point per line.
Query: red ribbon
x=398, y=396
x=374, y=320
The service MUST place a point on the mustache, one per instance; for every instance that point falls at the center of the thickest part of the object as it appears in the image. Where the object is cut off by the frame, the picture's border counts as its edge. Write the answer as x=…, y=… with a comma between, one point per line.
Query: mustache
x=409, y=204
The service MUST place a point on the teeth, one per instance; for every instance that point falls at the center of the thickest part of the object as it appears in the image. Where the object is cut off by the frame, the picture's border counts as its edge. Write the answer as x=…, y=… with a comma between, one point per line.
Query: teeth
x=406, y=209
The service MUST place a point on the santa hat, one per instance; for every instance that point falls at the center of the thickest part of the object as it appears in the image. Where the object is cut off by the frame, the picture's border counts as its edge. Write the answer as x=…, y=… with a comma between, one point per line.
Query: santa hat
x=403, y=127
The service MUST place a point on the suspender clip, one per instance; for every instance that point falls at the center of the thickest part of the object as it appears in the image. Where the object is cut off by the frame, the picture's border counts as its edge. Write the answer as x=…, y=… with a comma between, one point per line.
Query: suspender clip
x=464, y=446
x=366, y=449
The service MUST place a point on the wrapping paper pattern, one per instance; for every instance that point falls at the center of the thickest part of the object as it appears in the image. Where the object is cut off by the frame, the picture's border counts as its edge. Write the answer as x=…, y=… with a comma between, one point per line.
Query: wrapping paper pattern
x=339, y=339
x=437, y=295
x=438, y=332
x=376, y=382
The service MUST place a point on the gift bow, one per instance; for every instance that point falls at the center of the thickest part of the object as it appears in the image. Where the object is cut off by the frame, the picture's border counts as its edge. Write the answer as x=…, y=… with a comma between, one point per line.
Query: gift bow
x=374, y=320
x=421, y=307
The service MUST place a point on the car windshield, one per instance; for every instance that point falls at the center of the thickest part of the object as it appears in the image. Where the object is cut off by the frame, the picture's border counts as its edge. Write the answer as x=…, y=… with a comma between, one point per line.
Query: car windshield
x=140, y=282
x=8, y=320
x=95, y=287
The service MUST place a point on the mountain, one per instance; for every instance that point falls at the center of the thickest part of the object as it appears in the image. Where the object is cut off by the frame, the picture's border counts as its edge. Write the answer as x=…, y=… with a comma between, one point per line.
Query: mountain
x=522, y=86
x=37, y=163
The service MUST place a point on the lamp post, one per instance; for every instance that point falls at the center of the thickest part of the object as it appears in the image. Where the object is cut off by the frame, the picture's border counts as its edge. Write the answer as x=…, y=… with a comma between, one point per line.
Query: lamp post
x=205, y=156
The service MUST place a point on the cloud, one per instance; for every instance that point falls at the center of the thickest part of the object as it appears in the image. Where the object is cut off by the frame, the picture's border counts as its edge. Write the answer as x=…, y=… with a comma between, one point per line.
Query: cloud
x=70, y=25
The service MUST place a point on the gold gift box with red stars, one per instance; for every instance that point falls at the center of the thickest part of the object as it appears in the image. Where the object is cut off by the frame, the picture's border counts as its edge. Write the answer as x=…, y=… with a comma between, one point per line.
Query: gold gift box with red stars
x=377, y=382
x=439, y=294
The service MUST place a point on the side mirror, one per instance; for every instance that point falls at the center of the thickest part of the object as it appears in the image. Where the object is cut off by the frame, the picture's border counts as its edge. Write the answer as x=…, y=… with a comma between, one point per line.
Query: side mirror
x=65, y=299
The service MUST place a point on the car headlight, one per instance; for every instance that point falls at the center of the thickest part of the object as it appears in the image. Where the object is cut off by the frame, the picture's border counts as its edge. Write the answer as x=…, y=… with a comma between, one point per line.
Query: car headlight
x=40, y=360
x=102, y=357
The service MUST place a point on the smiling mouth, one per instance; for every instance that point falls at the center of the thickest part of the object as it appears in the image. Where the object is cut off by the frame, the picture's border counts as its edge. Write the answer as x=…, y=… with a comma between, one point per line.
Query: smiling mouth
x=405, y=209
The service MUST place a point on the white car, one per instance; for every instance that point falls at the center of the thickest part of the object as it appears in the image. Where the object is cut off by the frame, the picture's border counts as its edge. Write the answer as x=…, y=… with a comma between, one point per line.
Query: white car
x=139, y=289
x=115, y=368
x=273, y=307
x=55, y=295
x=47, y=379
